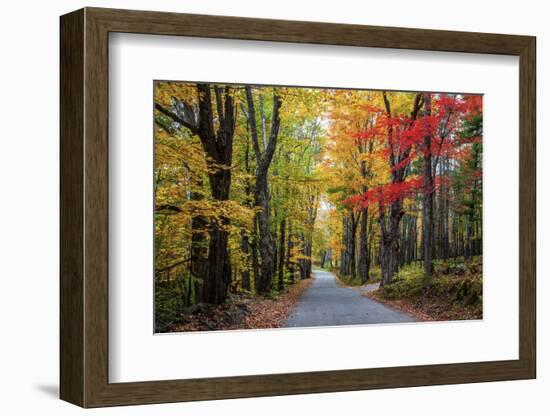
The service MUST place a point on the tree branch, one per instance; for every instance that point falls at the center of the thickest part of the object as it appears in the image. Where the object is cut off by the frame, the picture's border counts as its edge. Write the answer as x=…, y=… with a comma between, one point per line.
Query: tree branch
x=185, y=120
x=273, y=134
x=171, y=266
x=230, y=113
x=418, y=103
x=206, y=121
x=262, y=119
x=219, y=107
x=252, y=124
x=390, y=128
x=168, y=129
x=167, y=207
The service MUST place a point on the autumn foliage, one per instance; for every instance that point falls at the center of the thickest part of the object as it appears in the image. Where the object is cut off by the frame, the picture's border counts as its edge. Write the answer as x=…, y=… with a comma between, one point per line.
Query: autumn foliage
x=254, y=185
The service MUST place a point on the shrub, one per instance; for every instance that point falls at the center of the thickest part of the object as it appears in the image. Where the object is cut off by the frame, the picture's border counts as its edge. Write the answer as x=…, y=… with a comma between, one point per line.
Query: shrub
x=454, y=292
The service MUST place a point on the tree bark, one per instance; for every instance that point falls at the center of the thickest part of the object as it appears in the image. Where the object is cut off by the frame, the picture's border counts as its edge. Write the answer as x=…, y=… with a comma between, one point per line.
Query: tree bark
x=443, y=214
x=427, y=198
x=352, y=247
x=282, y=229
x=199, y=254
x=363, y=247
x=289, y=248
x=219, y=149
x=305, y=261
x=348, y=265
x=344, y=254
x=364, y=261
x=311, y=209
x=389, y=242
x=245, y=248
x=275, y=242
x=245, y=240
x=261, y=193
x=254, y=249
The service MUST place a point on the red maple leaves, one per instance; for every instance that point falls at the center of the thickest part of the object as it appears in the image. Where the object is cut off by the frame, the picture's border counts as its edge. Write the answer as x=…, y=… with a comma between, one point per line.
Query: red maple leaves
x=402, y=140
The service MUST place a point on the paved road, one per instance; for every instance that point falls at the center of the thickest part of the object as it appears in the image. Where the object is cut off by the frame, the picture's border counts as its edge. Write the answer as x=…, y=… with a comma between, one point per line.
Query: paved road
x=327, y=303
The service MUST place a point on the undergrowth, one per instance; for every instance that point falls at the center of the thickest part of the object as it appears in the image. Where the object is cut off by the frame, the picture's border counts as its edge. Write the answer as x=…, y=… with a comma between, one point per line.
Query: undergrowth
x=374, y=277
x=454, y=292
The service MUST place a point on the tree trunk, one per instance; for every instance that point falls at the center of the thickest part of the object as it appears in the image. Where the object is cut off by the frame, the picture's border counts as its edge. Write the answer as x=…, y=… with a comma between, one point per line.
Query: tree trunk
x=308, y=261
x=218, y=271
x=275, y=241
x=263, y=284
x=389, y=227
x=427, y=198
x=302, y=261
x=364, y=261
x=245, y=248
x=344, y=255
x=349, y=264
x=282, y=230
x=199, y=253
x=353, y=244
x=363, y=249
x=467, y=249
x=412, y=239
x=289, y=248
x=444, y=212
x=254, y=249
x=369, y=245
x=245, y=241
x=261, y=193
x=218, y=147
x=389, y=242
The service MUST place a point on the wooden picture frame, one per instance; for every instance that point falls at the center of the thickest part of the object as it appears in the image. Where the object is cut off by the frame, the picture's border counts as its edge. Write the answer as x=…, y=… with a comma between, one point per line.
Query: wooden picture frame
x=84, y=207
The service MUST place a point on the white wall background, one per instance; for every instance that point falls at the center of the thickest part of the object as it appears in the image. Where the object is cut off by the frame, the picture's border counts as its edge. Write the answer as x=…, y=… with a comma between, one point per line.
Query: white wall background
x=29, y=210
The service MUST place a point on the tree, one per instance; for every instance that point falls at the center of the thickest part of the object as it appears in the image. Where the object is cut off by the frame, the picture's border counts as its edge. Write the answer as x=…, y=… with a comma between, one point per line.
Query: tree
x=261, y=191
x=215, y=128
x=399, y=146
x=414, y=146
x=427, y=201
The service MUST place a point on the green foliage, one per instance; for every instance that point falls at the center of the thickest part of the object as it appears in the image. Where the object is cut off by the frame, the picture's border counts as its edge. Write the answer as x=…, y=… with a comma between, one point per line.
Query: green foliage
x=374, y=277
x=348, y=280
x=171, y=298
x=454, y=288
x=472, y=127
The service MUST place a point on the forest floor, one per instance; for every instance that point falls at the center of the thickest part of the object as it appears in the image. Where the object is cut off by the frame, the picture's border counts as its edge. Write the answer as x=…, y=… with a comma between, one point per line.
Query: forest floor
x=243, y=311
x=454, y=292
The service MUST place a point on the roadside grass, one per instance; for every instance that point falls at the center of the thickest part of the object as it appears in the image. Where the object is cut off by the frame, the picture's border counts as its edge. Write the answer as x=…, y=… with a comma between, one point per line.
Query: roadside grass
x=344, y=280
x=455, y=291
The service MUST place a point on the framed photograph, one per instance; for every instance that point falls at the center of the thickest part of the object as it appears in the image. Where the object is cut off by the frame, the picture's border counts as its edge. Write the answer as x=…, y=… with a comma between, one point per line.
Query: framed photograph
x=255, y=207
